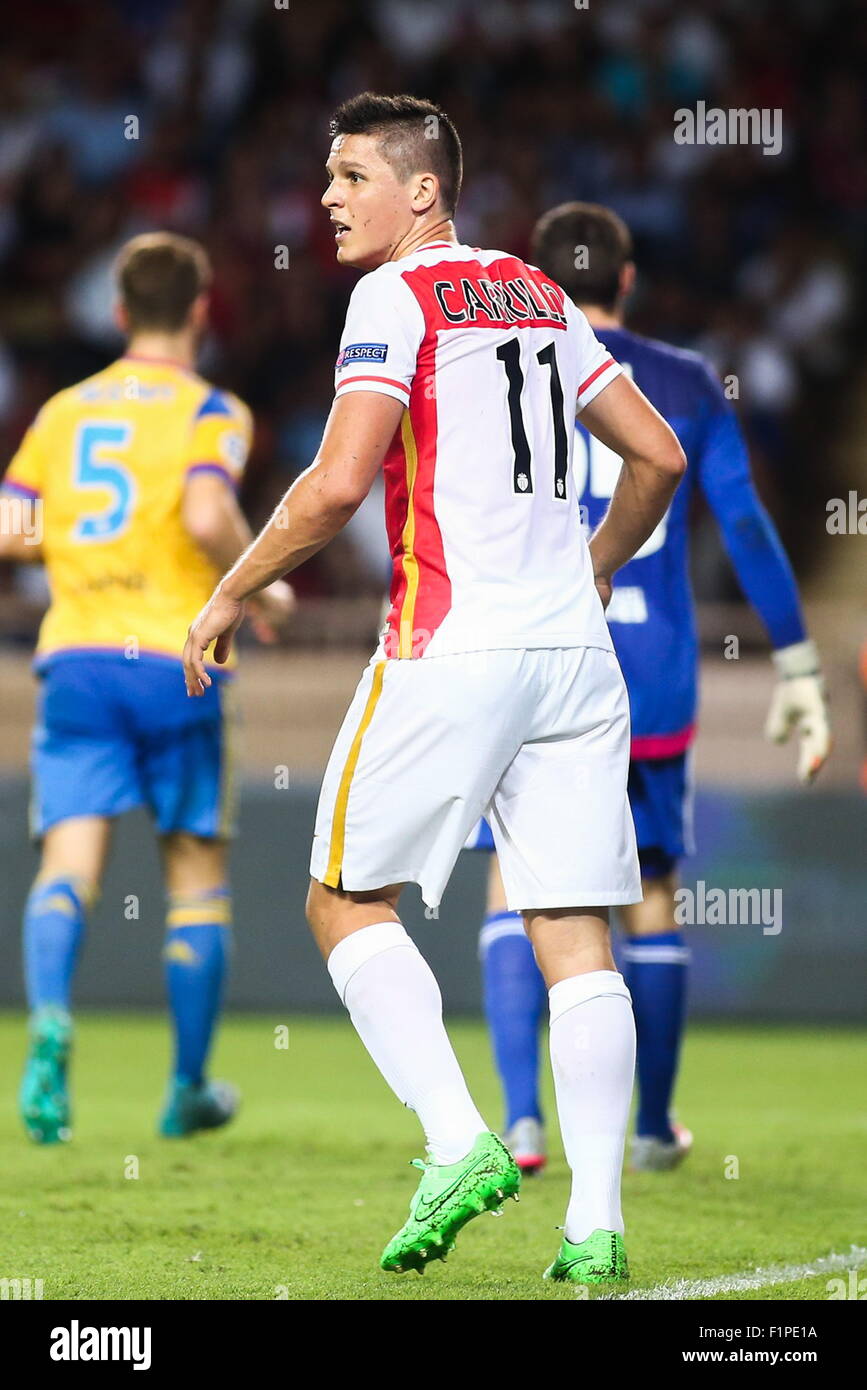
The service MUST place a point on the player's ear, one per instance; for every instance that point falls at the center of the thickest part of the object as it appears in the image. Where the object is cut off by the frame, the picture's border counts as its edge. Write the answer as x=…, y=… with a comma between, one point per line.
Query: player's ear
x=121, y=317
x=199, y=312
x=426, y=191
x=627, y=279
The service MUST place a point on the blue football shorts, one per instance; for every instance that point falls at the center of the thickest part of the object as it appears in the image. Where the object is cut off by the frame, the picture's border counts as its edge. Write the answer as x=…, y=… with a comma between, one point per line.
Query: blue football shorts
x=114, y=733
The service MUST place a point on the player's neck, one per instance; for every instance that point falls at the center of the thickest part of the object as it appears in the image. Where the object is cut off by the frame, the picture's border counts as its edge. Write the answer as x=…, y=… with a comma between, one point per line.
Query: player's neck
x=443, y=229
x=177, y=348
x=597, y=317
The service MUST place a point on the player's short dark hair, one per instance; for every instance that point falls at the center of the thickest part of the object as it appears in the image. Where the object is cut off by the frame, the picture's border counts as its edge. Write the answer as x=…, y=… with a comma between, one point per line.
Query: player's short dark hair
x=159, y=275
x=414, y=136
x=583, y=247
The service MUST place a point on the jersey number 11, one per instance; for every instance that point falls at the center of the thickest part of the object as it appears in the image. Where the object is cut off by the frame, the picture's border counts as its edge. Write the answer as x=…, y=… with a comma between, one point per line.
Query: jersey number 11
x=510, y=356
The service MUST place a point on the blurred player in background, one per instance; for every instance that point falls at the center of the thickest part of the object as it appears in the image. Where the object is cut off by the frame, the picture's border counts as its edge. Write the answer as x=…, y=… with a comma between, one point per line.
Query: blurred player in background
x=135, y=471
x=495, y=685
x=587, y=250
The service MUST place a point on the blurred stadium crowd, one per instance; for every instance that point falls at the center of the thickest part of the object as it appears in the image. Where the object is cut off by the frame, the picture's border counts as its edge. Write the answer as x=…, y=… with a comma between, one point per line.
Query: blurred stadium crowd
x=752, y=258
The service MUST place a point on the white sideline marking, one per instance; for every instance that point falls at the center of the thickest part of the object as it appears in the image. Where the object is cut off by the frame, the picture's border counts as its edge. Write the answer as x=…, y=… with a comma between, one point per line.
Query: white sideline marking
x=742, y=1283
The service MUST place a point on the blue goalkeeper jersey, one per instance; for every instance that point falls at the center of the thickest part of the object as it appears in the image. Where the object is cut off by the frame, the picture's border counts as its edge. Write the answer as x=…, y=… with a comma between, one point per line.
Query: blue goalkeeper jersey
x=652, y=611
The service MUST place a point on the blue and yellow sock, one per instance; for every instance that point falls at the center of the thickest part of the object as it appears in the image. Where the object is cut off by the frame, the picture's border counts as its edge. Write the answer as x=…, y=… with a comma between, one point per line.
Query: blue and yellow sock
x=515, y=1002
x=54, y=922
x=196, y=955
x=655, y=969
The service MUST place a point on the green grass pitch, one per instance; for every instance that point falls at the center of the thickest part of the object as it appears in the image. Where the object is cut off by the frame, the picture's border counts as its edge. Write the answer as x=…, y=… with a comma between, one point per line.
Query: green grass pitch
x=297, y=1198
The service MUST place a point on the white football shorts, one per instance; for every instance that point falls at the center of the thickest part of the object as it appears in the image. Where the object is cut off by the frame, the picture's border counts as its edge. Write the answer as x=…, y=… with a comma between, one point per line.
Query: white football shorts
x=535, y=740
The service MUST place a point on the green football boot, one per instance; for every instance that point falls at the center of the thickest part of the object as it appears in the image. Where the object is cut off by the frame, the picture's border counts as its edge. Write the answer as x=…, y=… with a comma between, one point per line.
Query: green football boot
x=190, y=1107
x=43, y=1097
x=600, y=1259
x=448, y=1196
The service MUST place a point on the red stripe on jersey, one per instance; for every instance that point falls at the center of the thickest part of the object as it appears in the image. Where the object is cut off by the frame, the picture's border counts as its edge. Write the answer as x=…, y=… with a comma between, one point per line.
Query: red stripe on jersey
x=593, y=375
x=421, y=581
x=386, y=380
x=394, y=472
x=434, y=597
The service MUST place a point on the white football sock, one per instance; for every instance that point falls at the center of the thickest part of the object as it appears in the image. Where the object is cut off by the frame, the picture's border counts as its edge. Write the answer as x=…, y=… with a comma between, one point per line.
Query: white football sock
x=593, y=1057
x=395, y=1003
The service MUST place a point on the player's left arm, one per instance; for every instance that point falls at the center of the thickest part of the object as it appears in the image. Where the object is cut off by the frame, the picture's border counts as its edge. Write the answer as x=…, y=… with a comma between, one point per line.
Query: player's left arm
x=316, y=507
x=766, y=577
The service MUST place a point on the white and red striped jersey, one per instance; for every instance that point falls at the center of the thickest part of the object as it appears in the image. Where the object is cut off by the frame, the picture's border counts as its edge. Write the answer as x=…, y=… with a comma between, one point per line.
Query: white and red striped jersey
x=492, y=361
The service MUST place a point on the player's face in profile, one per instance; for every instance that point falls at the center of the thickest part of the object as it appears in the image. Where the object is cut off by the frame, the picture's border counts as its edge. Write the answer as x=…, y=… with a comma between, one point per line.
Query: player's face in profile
x=369, y=206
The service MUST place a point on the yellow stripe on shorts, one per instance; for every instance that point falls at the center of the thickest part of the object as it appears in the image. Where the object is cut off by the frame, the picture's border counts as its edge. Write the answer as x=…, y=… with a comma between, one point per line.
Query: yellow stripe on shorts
x=338, y=823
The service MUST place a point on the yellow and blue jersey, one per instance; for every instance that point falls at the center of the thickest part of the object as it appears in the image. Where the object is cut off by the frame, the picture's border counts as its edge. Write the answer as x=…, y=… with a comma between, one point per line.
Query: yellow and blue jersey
x=109, y=459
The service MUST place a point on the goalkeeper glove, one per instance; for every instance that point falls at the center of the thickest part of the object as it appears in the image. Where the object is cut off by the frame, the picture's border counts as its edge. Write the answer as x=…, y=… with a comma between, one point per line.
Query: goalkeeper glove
x=799, y=702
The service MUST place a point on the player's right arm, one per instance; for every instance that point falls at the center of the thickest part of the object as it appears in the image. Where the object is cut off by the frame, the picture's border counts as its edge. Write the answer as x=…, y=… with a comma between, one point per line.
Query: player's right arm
x=21, y=501
x=653, y=465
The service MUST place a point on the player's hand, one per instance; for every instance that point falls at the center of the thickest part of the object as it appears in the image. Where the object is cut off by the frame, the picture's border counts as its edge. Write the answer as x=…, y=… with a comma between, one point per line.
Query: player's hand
x=799, y=702
x=603, y=588
x=270, y=611
x=218, y=621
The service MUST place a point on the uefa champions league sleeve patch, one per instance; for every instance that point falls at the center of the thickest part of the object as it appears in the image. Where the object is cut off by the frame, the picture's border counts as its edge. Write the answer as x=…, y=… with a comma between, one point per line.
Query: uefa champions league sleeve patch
x=361, y=352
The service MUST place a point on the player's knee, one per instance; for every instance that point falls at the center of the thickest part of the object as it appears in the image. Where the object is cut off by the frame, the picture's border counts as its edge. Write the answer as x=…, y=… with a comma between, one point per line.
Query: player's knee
x=656, y=913
x=75, y=849
x=54, y=885
x=194, y=864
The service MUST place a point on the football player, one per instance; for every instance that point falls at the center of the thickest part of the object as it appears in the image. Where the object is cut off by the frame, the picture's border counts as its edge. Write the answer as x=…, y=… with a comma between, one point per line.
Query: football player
x=495, y=686
x=133, y=474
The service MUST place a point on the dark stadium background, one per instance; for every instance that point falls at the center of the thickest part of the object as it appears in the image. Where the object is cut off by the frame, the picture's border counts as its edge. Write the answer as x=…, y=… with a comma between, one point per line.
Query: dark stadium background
x=756, y=260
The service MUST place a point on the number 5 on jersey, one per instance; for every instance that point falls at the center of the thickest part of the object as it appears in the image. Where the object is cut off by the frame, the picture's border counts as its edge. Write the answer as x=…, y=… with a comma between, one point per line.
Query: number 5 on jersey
x=95, y=467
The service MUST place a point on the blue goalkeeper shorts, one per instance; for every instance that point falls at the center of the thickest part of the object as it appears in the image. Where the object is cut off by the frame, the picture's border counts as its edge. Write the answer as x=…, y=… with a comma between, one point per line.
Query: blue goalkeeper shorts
x=660, y=798
x=114, y=733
